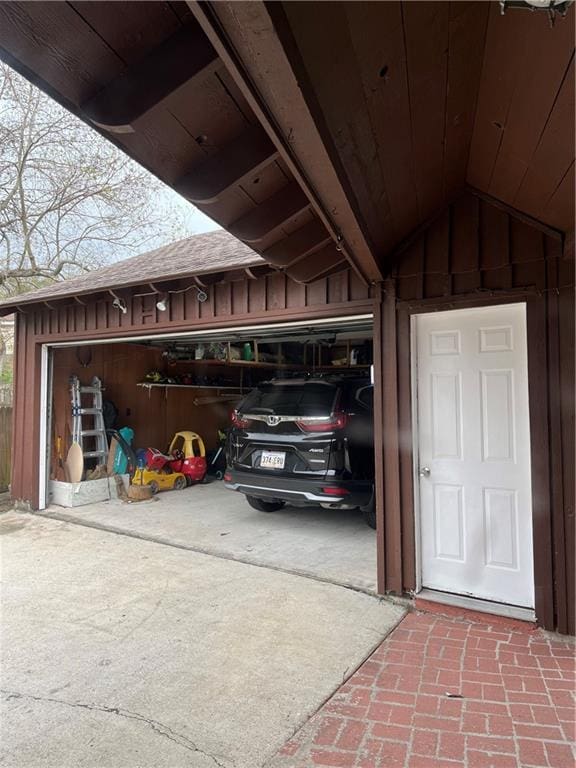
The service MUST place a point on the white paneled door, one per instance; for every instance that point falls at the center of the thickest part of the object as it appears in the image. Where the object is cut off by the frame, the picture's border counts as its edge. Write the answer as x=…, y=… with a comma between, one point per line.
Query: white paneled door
x=473, y=453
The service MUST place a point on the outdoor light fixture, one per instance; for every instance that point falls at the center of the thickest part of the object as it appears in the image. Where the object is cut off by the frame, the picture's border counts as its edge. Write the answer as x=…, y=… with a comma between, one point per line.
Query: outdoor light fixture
x=120, y=304
x=201, y=295
x=164, y=296
x=553, y=7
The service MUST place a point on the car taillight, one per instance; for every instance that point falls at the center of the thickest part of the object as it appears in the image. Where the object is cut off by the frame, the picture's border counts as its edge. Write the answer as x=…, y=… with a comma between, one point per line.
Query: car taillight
x=238, y=421
x=335, y=491
x=227, y=477
x=336, y=421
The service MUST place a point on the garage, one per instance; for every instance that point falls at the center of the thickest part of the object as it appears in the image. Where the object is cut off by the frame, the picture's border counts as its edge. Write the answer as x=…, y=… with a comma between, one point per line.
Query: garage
x=460, y=204
x=188, y=316
x=165, y=363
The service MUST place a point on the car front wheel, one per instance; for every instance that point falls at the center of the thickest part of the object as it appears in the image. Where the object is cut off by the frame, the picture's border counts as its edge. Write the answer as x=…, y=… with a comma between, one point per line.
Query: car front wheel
x=264, y=506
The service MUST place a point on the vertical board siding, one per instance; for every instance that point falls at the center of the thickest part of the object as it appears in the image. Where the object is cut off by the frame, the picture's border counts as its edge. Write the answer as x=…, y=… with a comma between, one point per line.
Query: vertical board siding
x=239, y=298
x=223, y=300
x=257, y=296
x=472, y=254
x=381, y=511
x=467, y=256
x=540, y=462
x=555, y=431
x=317, y=293
x=392, y=502
x=568, y=427
x=5, y=445
x=272, y=298
x=191, y=306
x=405, y=442
x=276, y=285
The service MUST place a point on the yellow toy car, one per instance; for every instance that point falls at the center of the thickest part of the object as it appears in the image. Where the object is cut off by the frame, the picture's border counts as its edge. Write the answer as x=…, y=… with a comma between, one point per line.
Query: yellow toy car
x=188, y=456
x=158, y=480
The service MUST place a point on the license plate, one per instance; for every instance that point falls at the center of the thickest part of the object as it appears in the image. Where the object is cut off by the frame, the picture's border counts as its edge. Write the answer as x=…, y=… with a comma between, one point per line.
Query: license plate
x=272, y=459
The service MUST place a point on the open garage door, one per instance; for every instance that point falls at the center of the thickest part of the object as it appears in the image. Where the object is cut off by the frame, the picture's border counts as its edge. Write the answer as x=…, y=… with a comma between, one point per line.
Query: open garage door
x=159, y=393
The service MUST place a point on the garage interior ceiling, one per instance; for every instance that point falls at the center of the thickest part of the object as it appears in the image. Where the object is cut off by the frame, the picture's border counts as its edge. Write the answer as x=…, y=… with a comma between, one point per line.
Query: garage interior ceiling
x=328, y=333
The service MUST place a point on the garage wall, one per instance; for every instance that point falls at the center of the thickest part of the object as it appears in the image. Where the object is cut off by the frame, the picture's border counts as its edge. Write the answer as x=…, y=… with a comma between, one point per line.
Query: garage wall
x=119, y=367
x=475, y=253
x=154, y=415
x=472, y=255
x=269, y=299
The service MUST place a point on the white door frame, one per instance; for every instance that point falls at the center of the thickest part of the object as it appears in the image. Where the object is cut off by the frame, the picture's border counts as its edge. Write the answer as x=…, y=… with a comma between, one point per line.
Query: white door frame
x=415, y=449
x=45, y=423
x=446, y=598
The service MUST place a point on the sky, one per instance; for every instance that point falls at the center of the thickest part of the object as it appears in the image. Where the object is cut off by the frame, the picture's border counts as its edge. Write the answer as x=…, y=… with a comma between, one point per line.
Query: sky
x=177, y=218
x=192, y=219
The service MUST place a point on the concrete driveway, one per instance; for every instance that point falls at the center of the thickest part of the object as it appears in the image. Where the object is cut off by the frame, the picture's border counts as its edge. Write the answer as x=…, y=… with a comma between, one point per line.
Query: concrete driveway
x=331, y=544
x=118, y=652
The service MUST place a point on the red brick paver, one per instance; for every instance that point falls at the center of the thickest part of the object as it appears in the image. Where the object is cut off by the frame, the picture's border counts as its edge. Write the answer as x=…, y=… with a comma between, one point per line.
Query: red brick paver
x=446, y=692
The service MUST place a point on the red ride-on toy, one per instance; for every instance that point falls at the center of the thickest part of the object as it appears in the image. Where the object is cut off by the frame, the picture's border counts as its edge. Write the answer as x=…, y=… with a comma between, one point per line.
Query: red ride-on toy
x=155, y=471
x=189, y=456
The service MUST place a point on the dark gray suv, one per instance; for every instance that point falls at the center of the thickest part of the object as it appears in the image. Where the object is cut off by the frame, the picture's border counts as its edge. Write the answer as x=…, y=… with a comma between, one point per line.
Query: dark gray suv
x=304, y=442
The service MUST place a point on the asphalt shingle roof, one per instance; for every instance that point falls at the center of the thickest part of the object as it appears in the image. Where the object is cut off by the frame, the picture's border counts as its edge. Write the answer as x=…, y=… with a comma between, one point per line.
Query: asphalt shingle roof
x=200, y=254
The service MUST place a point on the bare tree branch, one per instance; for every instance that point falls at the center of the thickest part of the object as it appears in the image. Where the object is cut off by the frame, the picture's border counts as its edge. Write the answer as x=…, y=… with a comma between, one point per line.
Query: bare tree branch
x=69, y=200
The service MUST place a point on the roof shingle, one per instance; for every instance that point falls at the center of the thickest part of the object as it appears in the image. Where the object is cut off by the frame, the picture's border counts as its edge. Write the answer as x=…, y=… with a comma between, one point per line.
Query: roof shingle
x=216, y=251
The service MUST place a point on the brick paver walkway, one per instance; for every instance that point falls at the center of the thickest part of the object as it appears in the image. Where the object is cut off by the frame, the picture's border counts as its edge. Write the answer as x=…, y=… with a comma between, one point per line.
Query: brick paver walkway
x=442, y=693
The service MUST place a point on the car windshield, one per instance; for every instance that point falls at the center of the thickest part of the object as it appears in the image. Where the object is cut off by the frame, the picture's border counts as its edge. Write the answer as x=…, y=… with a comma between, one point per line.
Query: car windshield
x=311, y=399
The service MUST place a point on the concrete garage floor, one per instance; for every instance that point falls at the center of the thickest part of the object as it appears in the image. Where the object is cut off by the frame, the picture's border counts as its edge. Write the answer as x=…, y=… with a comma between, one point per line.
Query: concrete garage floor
x=124, y=653
x=335, y=545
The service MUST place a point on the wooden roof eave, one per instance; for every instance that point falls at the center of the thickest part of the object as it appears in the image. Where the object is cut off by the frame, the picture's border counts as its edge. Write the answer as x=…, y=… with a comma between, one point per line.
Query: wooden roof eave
x=127, y=291
x=183, y=56
x=133, y=100
x=245, y=39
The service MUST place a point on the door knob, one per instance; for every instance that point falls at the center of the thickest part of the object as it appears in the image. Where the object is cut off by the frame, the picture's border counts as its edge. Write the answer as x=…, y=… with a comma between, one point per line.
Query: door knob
x=424, y=472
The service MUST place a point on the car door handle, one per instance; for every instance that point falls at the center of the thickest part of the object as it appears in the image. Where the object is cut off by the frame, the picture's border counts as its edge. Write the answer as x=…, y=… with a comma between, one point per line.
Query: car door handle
x=424, y=472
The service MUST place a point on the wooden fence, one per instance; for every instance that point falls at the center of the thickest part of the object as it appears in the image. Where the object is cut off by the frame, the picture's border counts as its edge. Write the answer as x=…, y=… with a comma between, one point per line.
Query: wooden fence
x=5, y=445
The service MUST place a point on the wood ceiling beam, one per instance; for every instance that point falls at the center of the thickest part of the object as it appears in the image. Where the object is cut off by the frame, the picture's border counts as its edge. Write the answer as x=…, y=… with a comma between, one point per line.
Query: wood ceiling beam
x=247, y=42
x=243, y=157
x=271, y=214
x=208, y=279
x=511, y=211
x=297, y=245
x=256, y=272
x=185, y=55
x=317, y=265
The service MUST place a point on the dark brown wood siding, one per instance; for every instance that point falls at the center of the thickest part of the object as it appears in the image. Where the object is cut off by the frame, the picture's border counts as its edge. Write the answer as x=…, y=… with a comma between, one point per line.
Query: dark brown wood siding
x=269, y=299
x=476, y=254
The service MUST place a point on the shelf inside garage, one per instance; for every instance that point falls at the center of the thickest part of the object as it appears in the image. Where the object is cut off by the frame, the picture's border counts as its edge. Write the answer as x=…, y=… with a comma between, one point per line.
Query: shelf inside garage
x=156, y=410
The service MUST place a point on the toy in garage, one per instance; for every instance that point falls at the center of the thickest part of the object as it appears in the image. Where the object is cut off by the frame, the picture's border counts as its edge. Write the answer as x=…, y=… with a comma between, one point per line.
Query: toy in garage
x=188, y=456
x=155, y=471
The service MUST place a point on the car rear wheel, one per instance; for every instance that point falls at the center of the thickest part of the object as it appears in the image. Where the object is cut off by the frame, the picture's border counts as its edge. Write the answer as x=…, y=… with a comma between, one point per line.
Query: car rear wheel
x=369, y=512
x=179, y=483
x=264, y=506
